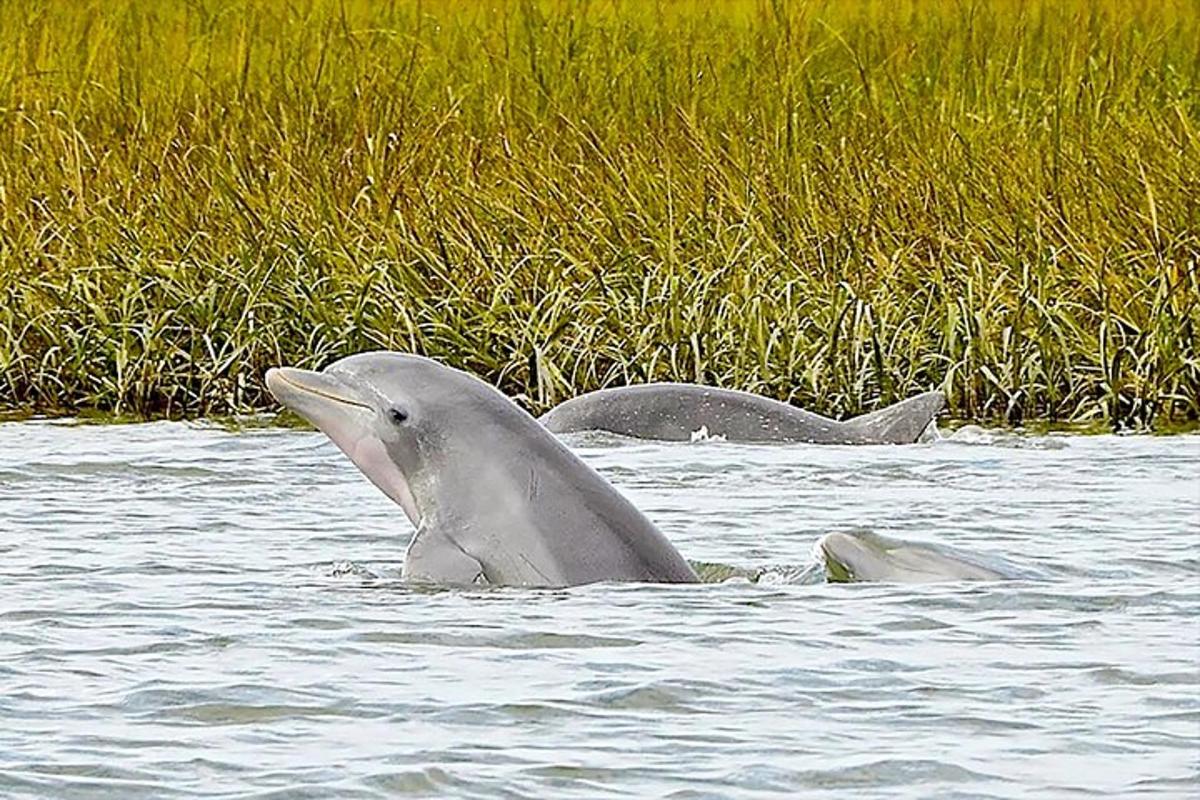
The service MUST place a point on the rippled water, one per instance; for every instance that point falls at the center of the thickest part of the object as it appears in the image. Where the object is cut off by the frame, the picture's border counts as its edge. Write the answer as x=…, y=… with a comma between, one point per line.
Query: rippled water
x=190, y=611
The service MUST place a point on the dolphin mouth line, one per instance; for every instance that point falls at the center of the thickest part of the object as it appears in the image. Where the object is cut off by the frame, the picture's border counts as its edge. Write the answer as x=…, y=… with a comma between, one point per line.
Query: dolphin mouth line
x=327, y=395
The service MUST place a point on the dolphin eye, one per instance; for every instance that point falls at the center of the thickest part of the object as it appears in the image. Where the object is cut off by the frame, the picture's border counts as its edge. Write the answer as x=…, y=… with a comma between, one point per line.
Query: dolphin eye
x=397, y=416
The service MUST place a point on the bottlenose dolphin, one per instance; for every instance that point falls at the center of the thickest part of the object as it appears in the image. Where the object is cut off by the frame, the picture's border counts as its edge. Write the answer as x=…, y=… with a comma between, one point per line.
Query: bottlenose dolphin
x=869, y=557
x=676, y=412
x=495, y=498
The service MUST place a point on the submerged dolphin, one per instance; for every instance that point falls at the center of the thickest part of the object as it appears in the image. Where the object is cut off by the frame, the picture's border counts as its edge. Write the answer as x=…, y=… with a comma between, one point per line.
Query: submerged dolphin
x=495, y=498
x=869, y=557
x=676, y=412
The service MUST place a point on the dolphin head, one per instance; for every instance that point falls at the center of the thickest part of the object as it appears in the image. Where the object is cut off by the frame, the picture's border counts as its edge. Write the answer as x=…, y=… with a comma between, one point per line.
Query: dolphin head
x=493, y=495
x=865, y=556
x=398, y=417
x=850, y=557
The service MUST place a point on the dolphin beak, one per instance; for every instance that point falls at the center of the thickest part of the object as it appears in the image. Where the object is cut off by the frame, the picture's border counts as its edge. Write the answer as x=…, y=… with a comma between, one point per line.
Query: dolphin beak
x=342, y=413
x=299, y=389
x=837, y=570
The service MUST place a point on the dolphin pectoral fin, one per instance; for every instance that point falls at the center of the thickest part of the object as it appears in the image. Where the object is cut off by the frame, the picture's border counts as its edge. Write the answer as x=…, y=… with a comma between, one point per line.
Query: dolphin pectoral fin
x=899, y=423
x=435, y=558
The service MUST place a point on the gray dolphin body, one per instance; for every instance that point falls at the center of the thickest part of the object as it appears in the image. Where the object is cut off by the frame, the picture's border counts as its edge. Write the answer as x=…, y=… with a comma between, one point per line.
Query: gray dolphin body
x=495, y=498
x=869, y=557
x=677, y=411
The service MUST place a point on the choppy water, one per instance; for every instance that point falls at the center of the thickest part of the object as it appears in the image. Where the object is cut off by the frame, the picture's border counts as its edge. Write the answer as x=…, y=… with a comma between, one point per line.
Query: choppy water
x=187, y=611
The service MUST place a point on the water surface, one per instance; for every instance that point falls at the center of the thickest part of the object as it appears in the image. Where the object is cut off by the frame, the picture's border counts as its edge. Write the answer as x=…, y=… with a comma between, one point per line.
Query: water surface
x=190, y=611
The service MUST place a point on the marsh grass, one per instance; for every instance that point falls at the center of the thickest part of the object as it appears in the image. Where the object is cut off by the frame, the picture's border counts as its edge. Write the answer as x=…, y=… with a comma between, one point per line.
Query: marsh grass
x=837, y=204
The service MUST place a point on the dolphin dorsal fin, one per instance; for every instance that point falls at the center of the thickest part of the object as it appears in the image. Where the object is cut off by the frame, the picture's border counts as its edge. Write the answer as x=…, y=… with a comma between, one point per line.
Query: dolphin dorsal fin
x=899, y=423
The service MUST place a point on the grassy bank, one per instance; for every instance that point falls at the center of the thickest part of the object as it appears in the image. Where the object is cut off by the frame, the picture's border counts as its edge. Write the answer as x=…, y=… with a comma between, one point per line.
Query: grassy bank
x=836, y=203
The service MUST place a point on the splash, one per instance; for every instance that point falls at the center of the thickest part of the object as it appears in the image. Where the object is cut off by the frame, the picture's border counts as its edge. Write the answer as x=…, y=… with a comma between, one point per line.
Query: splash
x=702, y=435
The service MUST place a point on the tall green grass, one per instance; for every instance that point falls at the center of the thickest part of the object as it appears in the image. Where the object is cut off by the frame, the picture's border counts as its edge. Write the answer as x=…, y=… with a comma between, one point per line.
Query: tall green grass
x=833, y=203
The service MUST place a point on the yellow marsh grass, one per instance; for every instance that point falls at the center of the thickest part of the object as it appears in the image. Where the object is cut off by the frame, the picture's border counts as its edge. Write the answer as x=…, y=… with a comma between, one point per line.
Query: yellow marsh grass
x=833, y=203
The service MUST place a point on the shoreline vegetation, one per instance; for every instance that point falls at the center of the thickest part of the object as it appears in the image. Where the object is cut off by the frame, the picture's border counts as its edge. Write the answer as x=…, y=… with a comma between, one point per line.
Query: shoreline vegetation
x=835, y=204
x=948, y=427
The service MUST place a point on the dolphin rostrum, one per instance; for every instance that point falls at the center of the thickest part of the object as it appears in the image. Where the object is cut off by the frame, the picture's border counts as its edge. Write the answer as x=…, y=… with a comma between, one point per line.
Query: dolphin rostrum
x=495, y=498
x=861, y=556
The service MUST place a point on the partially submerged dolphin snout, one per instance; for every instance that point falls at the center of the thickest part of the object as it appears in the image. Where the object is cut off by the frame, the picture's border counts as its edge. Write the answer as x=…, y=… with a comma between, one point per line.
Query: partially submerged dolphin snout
x=868, y=557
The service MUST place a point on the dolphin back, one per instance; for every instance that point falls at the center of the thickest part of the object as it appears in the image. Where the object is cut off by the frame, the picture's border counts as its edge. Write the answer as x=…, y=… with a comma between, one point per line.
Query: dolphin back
x=680, y=411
